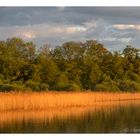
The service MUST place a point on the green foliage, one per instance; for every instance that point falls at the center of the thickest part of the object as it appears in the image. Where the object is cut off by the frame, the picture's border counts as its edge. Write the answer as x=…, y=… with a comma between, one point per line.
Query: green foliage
x=11, y=87
x=6, y=87
x=130, y=86
x=62, y=78
x=73, y=87
x=107, y=87
x=134, y=77
x=43, y=87
x=36, y=86
x=72, y=66
x=60, y=86
x=1, y=78
x=95, y=75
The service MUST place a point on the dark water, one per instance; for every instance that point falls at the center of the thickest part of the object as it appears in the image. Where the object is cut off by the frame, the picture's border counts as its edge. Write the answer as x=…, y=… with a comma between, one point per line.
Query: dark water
x=117, y=119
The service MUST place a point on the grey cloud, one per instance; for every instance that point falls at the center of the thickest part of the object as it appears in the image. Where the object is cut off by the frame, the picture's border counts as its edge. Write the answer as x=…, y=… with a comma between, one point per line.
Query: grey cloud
x=56, y=25
x=72, y=15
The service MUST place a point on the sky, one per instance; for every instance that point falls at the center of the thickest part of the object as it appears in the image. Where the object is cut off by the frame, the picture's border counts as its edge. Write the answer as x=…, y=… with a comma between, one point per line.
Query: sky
x=115, y=27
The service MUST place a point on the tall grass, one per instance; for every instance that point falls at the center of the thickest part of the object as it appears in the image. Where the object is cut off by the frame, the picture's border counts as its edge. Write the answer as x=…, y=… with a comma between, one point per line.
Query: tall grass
x=42, y=101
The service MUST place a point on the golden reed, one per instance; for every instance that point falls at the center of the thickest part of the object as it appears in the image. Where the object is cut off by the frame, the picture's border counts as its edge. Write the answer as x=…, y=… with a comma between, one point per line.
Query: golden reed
x=45, y=100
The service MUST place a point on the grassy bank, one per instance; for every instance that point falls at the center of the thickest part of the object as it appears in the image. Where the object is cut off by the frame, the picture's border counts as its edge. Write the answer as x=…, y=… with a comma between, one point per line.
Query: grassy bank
x=46, y=100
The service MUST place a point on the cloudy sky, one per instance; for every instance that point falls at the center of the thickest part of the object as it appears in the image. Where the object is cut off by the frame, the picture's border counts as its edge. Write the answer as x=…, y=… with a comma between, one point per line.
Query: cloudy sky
x=114, y=26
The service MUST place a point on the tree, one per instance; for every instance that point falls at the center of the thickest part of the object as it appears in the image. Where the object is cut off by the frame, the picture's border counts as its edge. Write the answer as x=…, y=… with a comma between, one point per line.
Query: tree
x=48, y=69
x=70, y=66
x=130, y=52
x=95, y=76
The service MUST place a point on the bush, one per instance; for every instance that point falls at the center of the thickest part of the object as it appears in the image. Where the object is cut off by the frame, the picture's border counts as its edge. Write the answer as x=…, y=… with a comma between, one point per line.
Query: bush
x=44, y=87
x=73, y=87
x=18, y=87
x=32, y=85
x=6, y=87
x=36, y=86
x=1, y=79
x=62, y=78
x=11, y=87
x=134, y=77
x=107, y=87
x=60, y=86
x=129, y=86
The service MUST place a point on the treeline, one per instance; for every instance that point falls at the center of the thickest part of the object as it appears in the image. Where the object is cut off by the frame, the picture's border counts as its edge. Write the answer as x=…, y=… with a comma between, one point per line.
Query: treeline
x=73, y=66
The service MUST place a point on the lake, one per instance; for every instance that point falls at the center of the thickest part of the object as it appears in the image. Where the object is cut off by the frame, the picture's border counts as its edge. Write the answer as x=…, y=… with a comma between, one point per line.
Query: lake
x=114, y=117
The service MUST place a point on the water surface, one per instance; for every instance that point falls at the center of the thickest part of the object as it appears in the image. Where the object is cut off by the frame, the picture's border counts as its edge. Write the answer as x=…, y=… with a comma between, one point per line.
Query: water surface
x=112, y=117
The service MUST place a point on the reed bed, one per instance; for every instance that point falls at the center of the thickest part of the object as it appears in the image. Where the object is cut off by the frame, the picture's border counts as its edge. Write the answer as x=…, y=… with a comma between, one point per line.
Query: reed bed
x=46, y=100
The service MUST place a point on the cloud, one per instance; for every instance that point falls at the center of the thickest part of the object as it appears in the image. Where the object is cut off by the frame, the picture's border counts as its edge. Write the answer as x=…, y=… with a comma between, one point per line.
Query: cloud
x=61, y=8
x=126, y=26
x=114, y=26
x=28, y=35
x=70, y=15
x=33, y=32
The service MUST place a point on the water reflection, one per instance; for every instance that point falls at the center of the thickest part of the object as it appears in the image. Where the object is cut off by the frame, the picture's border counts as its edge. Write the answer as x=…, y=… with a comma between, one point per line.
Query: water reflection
x=106, y=117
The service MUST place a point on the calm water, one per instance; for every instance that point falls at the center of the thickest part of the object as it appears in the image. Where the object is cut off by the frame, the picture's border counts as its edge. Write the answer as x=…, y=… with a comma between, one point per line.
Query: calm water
x=121, y=118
